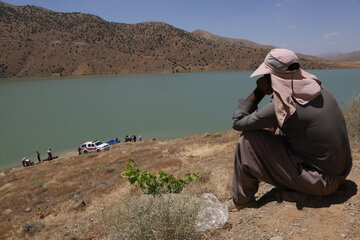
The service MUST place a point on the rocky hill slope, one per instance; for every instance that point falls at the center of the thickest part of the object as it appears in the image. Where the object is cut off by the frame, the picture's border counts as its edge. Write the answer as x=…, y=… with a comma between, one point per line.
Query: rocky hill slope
x=39, y=42
x=241, y=42
x=74, y=197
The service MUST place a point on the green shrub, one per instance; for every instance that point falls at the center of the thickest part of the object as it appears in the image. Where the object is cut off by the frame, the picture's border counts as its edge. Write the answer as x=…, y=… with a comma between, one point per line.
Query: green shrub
x=151, y=184
x=167, y=216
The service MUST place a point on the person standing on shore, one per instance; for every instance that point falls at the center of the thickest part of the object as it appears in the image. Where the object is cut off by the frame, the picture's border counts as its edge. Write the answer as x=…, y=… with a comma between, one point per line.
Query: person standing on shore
x=49, y=154
x=311, y=154
x=38, y=156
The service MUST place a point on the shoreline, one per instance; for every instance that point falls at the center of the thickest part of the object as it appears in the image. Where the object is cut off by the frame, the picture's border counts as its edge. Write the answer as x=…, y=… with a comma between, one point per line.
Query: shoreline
x=61, y=155
x=132, y=74
x=71, y=152
x=66, y=154
x=154, y=73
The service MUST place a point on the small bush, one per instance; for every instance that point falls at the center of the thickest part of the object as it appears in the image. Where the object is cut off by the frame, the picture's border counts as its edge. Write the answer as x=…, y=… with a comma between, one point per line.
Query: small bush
x=168, y=216
x=352, y=118
x=151, y=184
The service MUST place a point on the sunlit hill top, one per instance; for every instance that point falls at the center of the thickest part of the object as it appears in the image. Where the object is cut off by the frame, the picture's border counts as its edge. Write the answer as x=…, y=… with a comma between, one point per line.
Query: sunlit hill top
x=39, y=42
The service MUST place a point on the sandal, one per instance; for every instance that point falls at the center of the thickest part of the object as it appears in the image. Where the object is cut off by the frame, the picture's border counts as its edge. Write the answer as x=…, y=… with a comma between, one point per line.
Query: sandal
x=232, y=206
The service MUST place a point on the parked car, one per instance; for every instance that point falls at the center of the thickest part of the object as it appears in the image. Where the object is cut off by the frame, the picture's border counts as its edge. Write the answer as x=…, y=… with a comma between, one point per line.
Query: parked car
x=93, y=146
x=113, y=141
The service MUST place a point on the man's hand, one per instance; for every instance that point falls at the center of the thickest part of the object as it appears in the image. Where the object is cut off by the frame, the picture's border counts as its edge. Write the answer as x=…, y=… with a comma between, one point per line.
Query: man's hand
x=264, y=84
x=272, y=129
x=263, y=87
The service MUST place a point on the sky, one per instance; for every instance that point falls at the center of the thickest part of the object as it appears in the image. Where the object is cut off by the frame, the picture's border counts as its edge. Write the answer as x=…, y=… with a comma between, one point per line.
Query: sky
x=311, y=27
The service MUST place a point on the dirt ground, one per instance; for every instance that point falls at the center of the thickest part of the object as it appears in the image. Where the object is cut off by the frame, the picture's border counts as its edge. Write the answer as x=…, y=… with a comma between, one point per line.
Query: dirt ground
x=39, y=202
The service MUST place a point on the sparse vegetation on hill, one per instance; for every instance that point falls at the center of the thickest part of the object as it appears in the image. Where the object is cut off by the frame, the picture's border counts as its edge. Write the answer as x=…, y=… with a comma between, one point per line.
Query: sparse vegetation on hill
x=38, y=42
x=241, y=42
x=352, y=117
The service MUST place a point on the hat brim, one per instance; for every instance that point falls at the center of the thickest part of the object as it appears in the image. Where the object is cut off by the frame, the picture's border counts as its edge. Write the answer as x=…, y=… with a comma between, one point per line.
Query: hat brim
x=261, y=70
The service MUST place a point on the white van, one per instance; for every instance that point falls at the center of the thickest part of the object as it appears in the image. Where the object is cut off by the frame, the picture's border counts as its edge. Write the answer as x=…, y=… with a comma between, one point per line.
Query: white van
x=93, y=146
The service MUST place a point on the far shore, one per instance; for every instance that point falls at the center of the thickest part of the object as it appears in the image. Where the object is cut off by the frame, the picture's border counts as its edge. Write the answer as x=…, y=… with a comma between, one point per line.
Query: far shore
x=52, y=76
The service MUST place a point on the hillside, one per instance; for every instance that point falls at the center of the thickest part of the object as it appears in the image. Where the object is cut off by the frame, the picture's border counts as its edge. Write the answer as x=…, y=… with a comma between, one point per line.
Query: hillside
x=38, y=202
x=39, y=42
x=242, y=42
x=345, y=57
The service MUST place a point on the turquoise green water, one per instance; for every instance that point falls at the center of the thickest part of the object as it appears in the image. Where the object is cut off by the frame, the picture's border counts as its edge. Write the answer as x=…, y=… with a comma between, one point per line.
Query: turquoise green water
x=60, y=113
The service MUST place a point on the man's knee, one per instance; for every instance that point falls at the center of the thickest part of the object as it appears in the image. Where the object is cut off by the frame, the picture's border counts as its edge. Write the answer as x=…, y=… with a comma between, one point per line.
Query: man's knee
x=255, y=136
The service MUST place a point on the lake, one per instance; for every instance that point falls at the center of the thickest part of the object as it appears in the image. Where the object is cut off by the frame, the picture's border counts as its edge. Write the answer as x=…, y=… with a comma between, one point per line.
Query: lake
x=61, y=113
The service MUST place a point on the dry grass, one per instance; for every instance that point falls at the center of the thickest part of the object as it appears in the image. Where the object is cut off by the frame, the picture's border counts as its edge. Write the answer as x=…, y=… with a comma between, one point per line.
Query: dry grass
x=48, y=186
x=169, y=216
x=51, y=188
x=352, y=118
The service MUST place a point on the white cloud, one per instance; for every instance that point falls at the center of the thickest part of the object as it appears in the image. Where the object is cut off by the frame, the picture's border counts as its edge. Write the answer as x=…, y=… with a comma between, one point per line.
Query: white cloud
x=278, y=4
x=291, y=27
x=330, y=35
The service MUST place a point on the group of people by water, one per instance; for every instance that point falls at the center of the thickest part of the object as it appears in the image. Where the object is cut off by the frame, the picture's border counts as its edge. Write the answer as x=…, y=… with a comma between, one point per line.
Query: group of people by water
x=27, y=162
x=132, y=138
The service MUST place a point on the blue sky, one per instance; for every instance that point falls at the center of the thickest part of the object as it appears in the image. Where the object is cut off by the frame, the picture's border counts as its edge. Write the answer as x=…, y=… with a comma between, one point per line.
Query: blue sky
x=304, y=26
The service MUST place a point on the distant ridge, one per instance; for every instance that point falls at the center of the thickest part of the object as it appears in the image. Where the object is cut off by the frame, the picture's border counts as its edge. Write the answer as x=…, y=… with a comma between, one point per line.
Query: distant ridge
x=241, y=42
x=344, y=57
x=39, y=42
x=328, y=54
